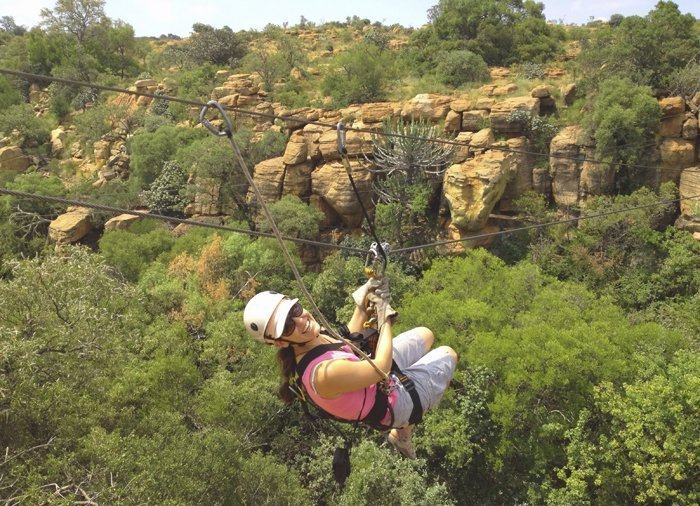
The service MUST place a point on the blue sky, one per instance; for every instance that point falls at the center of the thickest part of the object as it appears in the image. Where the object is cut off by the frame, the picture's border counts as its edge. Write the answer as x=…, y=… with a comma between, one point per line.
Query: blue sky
x=154, y=17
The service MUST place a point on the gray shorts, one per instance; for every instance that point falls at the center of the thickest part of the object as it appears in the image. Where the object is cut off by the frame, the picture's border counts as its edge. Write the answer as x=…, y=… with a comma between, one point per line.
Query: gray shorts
x=431, y=372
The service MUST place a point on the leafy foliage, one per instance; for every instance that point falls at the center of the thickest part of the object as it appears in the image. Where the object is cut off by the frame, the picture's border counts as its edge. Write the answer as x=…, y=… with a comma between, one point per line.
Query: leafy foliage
x=461, y=67
x=220, y=46
x=166, y=193
x=358, y=75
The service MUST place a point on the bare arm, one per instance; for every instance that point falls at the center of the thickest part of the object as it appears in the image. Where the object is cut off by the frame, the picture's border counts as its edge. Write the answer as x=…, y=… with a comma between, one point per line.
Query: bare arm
x=359, y=317
x=336, y=377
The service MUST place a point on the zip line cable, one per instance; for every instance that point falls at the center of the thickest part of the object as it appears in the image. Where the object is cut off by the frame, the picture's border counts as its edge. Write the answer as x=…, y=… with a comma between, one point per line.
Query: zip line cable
x=142, y=214
x=543, y=225
x=580, y=158
x=228, y=132
x=172, y=219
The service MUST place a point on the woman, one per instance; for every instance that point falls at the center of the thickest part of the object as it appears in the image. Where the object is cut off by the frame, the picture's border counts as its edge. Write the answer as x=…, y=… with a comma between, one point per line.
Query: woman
x=342, y=384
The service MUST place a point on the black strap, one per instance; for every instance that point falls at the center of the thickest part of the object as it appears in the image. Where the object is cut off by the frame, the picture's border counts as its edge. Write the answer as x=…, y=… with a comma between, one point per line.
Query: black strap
x=410, y=386
x=381, y=400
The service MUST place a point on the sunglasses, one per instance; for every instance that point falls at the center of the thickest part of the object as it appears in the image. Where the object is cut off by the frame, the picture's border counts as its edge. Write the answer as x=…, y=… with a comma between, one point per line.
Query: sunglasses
x=289, y=324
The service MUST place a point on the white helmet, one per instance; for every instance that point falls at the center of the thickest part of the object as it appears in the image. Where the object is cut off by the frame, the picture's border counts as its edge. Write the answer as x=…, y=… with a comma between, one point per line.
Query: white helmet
x=260, y=310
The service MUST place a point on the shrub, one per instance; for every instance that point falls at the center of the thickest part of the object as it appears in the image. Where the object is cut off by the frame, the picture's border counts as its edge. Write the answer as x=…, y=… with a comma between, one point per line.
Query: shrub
x=358, y=75
x=166, y=194
x=9, y=95
x=532, y=71
x=33, y=131
x=460, y=67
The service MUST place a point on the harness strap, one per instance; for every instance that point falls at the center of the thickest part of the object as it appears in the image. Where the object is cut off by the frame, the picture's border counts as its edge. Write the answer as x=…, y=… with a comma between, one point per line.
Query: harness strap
x=381, y=400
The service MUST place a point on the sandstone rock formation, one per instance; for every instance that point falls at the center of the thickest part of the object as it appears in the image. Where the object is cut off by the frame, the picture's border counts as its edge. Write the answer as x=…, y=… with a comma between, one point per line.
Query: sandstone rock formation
x=331, y=184
x=473, y=188
x=501, y=111
x=71, y=226
x=565, y=162
x=12, y=158
x=121, y=222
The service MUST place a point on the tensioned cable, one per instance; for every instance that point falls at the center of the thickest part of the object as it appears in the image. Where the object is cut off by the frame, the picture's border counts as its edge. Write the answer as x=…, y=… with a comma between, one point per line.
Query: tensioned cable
x=542, y=225
x=142, y=214
x=172, y=219
x=303, y=121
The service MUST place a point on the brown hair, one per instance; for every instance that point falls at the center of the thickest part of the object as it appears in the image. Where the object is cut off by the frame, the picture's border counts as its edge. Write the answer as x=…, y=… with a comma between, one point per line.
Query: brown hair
x=287, y=361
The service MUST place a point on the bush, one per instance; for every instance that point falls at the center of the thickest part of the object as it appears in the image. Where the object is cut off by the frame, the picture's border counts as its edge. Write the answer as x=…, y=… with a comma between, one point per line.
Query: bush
x=9, y=95
x=624, y=118
x=149, y=150
x=166, y=194
x=358, y=75
x=532, y=71
x=461, y=67
x=33, y=131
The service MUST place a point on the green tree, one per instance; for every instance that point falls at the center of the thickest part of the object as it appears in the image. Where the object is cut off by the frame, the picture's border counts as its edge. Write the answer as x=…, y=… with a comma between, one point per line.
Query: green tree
x=166, y=195
x=623, y=119
x=9, y=95
x=500, y=31
x=461, y=67
x=33, y=131
x=409, y=164
x=645, y=50
x=220, y=46
x=360, y=74
x=149, y=150
x=77, y=17
x=639, y=443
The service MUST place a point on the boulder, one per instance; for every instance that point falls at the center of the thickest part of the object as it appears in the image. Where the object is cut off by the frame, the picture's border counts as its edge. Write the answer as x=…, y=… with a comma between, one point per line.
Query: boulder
x=461, y=104
x=356, y=143
x=473, y=188
x=12, y=158
x=269, y=177
x=568, y=93
x=296, y=151
x=71, y=226
x=330, y=182
x=461, y=153
x=521, y=167
x=297, y=180
x=689, y=224
x=453, y=121
x=473, y=121
x=676, y=155
x=673, y=116
x=484, y=104
x=565, y=167
x=377, y=112
x=143, y=84
x=426, y=106
x=596, y=178
x=58, y=137
x=101, y=151
x=506, y=89
x=312, y=135
x=121, y=222
x=483, y=139
x=690, y=128
x=690, y=187
x=501, y=111
x=541, y=91
x=463, y=241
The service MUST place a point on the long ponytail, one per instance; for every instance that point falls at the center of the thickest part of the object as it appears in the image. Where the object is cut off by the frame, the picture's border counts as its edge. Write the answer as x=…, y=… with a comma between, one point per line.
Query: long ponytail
x=287, y=361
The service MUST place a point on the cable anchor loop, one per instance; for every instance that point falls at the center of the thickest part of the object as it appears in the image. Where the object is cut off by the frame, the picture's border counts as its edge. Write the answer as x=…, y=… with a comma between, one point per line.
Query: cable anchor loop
x=228, y=131
x=376, y=260
x=342, y=137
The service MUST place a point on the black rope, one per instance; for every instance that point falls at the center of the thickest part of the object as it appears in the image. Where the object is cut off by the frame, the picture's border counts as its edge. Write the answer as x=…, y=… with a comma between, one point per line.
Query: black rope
x=171, y=219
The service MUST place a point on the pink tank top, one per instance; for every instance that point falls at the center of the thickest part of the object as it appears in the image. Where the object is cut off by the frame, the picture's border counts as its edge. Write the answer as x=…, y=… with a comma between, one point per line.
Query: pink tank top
x=348, y=406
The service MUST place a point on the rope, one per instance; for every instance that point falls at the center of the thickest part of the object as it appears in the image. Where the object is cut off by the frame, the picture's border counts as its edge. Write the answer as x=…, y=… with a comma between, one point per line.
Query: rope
x=317, y=312
x=171, y=219
x=303, y=121
x=543, y=225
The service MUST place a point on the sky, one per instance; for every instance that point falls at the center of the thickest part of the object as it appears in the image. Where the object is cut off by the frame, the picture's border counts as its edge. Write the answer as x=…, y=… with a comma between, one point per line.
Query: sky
x=156, y=17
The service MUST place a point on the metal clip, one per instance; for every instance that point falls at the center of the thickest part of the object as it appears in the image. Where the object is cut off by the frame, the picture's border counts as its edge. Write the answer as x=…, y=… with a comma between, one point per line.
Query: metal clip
x=342, y=146
x=228, y=132
x=375, y=263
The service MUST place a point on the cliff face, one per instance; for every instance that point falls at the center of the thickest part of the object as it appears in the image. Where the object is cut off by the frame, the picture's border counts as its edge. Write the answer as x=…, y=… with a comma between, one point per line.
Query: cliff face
x=485, y=177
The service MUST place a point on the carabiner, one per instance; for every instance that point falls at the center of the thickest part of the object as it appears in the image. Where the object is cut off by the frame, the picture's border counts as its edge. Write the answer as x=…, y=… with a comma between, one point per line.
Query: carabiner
x=342, y=145
x=228, y=132
x=372, y=262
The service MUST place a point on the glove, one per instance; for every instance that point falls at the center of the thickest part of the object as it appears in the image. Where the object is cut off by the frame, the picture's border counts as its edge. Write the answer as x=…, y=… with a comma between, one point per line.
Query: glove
x=360, y=295
x=384, y=310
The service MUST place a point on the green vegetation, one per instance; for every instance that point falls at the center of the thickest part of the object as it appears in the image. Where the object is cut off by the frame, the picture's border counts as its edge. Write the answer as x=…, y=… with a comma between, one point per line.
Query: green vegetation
x=126, y=376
